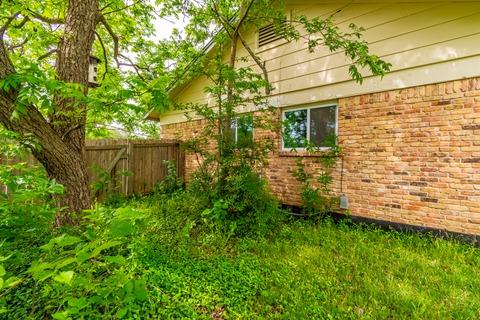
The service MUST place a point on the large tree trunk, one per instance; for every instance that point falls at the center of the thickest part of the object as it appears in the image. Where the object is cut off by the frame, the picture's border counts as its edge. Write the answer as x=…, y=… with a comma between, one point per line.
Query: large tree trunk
x=62, y=136
x=73, y=58
x=69, y=120
x=62, y=162
x=67, y=167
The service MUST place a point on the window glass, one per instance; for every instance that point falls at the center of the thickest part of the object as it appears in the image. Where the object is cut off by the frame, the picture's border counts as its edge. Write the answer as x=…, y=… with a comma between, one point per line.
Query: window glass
x=244, y=125
x=315, y=126
x=295, y=129
x=322, y=125
x=233, y=130
x=241, y=131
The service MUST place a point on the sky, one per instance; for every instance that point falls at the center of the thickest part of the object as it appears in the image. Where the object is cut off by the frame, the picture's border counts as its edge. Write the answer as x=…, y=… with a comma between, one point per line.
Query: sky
x=165, y=26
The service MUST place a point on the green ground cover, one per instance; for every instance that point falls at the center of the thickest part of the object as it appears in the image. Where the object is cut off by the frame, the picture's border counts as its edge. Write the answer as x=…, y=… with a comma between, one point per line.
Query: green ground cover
x=161, y=258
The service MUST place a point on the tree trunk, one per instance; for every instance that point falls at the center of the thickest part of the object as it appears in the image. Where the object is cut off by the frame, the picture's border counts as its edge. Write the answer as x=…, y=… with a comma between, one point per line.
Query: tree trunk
x=62, y=162
x=67, y=166
x=62, y=136
x=73, y=59
x=72, y=66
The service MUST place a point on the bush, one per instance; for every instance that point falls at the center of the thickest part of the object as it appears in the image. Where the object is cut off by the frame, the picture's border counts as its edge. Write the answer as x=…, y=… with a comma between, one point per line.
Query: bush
x=26, y=214
x=84, y=272
x=244, y=206
x=171, y=183
x=29, y=190
x=316, y=193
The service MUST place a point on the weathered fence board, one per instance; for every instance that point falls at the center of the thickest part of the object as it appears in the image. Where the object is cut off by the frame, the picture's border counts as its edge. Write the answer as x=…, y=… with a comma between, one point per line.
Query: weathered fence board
x=133, y=166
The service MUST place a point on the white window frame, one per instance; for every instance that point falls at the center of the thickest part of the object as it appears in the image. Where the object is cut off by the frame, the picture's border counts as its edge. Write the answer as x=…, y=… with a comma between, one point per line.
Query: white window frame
x=308, y=108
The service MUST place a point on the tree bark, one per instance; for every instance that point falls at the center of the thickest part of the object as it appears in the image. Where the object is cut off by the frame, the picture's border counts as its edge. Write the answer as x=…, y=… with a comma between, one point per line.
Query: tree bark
x=62, y=136
x=73, y=58
x=72, y=66
x=62, y=163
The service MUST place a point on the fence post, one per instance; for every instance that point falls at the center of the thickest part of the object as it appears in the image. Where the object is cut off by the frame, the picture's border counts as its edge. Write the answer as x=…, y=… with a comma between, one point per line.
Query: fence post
x=130, y=168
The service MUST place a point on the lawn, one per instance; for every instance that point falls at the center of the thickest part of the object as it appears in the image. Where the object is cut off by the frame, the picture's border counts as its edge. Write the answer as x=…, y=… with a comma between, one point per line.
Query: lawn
x=321, y=271
x=178, y=266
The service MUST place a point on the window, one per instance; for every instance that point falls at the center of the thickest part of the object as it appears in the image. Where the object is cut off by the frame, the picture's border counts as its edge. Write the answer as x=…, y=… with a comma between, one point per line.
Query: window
x=313, y=125
x=242, y=130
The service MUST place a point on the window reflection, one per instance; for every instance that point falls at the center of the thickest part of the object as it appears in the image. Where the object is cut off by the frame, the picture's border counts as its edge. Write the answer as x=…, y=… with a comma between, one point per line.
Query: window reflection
x=295, y=129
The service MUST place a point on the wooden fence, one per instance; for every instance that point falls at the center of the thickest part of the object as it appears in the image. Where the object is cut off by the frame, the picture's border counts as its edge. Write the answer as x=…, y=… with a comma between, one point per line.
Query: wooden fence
x=129, y=166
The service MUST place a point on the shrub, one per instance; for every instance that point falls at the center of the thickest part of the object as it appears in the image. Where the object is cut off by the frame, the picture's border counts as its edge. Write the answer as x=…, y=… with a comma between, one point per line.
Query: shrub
x=85, y=272
x=29, y=189
x=316, y=193
x=245, y=205
x=171, y=183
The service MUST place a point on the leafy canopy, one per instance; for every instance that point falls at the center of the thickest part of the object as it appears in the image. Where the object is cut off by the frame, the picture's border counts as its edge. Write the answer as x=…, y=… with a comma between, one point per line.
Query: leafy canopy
x=131, y=72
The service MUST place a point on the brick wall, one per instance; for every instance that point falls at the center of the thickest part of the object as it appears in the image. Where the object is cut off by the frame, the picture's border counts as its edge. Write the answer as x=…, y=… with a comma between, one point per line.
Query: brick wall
x=410, y=156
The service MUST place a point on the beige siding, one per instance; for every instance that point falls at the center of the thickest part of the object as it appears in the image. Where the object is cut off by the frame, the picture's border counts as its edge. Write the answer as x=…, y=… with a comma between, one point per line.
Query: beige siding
x=426, y=42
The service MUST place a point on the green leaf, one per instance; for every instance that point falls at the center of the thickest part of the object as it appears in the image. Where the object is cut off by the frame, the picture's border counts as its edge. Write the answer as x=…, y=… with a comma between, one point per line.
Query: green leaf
x=4, y=258
x=15, y=115
x=121, y=228
x=65, y=262
x=82, y=256
x=139, y=290
x=68, y=241
x=12, y=281
x=78, y=303
x=64, y=277
x=104, y=246
x=45, y=275
x=128, y=213
x=41, y=271
x=2, y=271
x=62, y=241
x=61, y=315
x=122, y=313
x=1, y=283
x=116, y=259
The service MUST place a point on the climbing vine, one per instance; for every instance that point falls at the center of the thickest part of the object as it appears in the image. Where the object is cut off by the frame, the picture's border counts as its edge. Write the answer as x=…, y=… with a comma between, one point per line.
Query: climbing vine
x=316, y=192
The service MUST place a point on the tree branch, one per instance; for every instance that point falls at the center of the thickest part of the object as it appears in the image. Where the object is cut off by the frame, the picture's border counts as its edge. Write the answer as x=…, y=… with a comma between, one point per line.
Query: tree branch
x=24, y=21
x=47, y=54
x=242, y=18
x=258, y=61
x=106, y=6
x=236, y=32
x=112, y=34
x=121, y=9
x=133, y=64
x=130, y=63
x=105, y=58
x=226, y=23
x=223, y=21
x=18, y=45
x=9, y=21
x=46, y=19
x=116, y=53
x=67, y=132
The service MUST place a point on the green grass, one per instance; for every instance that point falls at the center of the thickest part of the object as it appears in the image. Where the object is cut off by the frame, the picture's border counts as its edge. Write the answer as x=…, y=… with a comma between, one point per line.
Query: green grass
x=321, y=271
x=294, y=270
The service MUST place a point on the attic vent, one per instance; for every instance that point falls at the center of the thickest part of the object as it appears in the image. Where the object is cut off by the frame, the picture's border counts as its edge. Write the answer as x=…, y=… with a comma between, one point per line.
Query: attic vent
x=271, y=33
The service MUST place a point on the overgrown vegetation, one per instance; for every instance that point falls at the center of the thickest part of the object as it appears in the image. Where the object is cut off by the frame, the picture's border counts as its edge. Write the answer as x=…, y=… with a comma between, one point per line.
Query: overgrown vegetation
x=318, y=199
x=47, y=96
x=145, y=259
x=175, y=255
